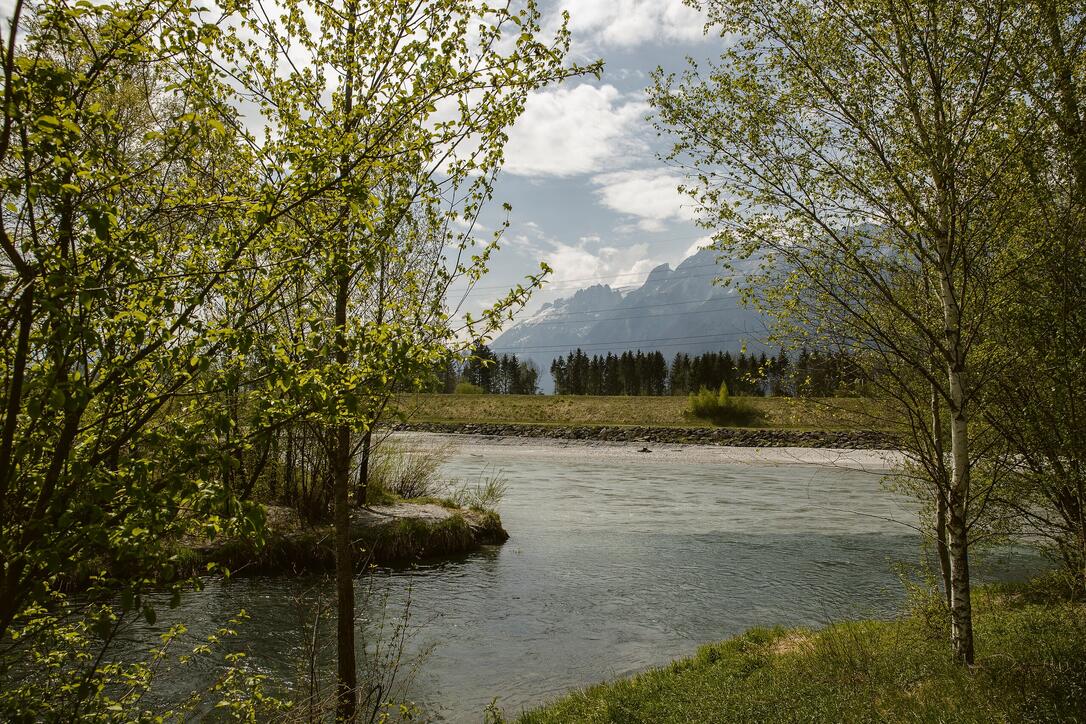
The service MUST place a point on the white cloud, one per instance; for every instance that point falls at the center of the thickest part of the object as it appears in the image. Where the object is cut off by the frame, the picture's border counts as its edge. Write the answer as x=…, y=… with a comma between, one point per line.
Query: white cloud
x=586, y=262
x=703, y=243
x=627, y=23
x=650, y=195
x=577, y=266
x=569, y=131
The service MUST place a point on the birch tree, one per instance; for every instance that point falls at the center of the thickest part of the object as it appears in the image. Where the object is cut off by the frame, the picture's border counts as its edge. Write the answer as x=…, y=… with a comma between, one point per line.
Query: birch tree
x=861, y=151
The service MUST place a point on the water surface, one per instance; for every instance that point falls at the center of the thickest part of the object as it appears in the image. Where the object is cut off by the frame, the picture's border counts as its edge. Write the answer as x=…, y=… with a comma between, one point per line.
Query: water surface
x=616, y=563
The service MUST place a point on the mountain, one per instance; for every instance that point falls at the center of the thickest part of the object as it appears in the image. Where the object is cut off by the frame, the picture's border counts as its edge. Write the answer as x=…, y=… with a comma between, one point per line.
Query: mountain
x=675, y=310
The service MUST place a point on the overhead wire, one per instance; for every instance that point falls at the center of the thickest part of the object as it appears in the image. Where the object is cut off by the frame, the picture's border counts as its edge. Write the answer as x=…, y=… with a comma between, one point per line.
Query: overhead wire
x=677, y=341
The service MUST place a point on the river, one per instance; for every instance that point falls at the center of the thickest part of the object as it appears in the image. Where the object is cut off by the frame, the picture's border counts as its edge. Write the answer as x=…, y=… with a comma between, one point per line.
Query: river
x=618, y=561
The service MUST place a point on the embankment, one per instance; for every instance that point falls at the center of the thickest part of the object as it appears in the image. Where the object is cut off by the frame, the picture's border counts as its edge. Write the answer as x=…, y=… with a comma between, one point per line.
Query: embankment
x=723, y=436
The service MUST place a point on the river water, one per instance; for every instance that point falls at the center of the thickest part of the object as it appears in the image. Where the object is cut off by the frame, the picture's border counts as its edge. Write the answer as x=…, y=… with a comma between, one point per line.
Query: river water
x=618, y=561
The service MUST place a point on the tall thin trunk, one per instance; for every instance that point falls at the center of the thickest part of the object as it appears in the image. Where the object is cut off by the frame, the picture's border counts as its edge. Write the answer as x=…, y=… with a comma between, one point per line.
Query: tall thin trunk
x=347, y=666
x=961, y=607
x=362, y=493
x=15, y=391
x=941, y=544
x=940, y=493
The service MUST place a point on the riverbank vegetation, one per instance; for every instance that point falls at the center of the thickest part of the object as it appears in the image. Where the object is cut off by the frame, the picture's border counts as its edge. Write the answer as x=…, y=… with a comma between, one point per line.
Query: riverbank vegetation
x=1030, y=667
x=720, y=408
x=846, y=413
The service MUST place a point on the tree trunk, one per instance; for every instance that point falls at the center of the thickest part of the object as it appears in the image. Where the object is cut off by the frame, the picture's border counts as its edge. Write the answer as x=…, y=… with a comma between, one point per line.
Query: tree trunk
x=961, y=613
x=347, y=665
x=961, y=608
x=364, y=470
x=347, y=682
x=940, y=493
x=941, y=545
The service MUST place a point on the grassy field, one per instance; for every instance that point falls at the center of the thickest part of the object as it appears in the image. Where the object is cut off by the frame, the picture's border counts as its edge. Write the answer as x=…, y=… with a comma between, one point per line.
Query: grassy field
x=773, y=412
x=1031, y=667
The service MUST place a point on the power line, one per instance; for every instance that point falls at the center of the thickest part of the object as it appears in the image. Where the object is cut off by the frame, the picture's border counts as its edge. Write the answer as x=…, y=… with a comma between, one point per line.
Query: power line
x=679, y=341
x=550, y=321
x=648, y=306
x=599, y=280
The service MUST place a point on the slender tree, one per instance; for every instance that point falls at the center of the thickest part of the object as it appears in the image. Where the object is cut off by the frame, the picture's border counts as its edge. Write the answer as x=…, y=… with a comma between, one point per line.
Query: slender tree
x=860, y=150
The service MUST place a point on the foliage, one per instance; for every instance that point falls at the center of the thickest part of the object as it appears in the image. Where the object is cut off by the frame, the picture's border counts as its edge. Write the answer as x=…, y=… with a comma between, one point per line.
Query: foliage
x=466, y=388
x=810, y=374
x=484, y=495
x=719, y=407
x=399, y=472
x=493, y=374
x=63, y=657
x=192, y=307
x=866, y=157
x=128, y=213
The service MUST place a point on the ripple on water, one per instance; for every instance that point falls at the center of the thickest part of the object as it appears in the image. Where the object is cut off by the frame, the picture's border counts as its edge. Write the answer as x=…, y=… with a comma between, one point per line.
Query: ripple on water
x=613, y=567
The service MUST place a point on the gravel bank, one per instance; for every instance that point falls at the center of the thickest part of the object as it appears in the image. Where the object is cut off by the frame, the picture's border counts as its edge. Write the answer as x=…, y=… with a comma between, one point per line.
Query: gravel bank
x=618, y=453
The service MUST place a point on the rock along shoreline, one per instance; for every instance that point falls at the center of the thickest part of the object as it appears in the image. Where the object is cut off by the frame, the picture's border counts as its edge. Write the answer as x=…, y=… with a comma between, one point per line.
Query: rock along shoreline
x=719, y=436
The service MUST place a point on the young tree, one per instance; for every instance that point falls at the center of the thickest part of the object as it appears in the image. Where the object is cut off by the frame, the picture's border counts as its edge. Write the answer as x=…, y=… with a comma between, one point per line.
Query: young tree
x=1039, y=404
x=124, y=236
x=860, y=149
x=392, y=109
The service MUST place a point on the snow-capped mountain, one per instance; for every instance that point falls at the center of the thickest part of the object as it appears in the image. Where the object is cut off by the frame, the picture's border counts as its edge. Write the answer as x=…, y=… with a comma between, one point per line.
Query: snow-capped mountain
x=675, y=310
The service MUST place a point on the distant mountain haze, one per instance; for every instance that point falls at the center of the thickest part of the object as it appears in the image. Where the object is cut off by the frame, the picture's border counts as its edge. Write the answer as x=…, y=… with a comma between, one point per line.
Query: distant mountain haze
x=675, y=310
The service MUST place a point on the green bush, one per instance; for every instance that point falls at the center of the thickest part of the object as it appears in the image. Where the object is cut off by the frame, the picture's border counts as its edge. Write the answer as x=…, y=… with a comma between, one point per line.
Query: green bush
x=466, y=388
x=400, y=473
x=720, y=408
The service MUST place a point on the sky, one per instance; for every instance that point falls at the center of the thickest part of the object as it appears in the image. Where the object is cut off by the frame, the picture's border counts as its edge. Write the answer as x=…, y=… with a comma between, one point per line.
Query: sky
x=589, y=194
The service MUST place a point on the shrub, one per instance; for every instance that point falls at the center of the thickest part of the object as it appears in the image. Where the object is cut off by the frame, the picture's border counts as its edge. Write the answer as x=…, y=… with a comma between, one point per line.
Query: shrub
x=396, y=472
x=485, y=495
x=466, y=388
x=720, y=408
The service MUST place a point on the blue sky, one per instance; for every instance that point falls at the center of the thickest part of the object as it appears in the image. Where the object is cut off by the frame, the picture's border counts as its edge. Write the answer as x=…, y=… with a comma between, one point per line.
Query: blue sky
x=589, y=194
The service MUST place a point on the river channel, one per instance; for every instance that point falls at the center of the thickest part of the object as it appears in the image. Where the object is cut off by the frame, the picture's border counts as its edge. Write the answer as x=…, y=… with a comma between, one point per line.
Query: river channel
x=618, y=561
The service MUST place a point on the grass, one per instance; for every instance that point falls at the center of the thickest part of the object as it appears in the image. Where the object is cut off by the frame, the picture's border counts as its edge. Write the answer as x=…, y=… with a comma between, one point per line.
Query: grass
x=770, y=412
x=312, y=549
x=1031, y=667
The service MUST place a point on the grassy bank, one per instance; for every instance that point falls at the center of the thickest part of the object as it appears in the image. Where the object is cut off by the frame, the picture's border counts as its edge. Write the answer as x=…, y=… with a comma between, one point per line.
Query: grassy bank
x=402, y=532
x=772, y=412
x=1031, y=666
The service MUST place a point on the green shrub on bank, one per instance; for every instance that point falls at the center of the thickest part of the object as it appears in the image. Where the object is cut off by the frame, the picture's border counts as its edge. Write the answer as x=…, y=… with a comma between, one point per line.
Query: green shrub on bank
x=397, y=472
x=720, y=408
x=1031, y=667
x=466, y=388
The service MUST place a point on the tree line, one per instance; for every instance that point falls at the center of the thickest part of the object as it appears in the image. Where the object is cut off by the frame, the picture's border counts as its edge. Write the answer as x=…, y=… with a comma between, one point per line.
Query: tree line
x=486, y=373
x=810, y=374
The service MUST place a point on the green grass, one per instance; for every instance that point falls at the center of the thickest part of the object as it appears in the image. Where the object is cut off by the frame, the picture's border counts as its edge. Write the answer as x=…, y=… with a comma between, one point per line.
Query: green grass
x=1031, y=667
x=771, y=412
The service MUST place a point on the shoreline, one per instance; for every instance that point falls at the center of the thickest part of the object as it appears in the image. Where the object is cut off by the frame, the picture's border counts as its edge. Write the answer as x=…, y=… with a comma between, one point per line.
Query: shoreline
x=476, y=445
x=385, y=535
x=710, y=436
x=897, y=669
